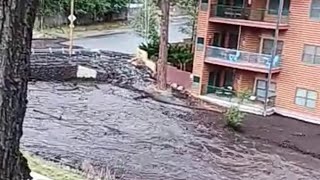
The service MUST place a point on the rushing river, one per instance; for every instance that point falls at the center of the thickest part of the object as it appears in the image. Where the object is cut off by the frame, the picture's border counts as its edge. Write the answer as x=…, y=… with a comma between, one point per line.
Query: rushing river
x=142, y=139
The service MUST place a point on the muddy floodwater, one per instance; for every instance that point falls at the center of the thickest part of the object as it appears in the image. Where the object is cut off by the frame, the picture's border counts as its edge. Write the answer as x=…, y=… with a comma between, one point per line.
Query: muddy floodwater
x=142, y=138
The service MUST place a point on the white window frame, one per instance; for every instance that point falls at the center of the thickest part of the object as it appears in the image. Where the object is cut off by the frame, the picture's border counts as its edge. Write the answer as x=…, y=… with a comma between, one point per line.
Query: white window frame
x=255, y=89
x=314, y=55
x=306, y=98
x=200, y=47
x=310, y=9
x=267, y=38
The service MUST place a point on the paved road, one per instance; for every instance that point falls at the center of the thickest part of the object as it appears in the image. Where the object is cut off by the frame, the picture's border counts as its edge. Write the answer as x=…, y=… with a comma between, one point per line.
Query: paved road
x=126, y=42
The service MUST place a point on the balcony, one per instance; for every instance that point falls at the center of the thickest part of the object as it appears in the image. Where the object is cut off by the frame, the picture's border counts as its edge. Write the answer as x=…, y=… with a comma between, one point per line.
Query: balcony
x=249, y=17
x=242, y=59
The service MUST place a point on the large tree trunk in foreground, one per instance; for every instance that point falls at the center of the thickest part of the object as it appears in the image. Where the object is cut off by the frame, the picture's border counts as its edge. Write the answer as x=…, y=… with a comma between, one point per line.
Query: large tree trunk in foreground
x=163, y=49
x=17, y=18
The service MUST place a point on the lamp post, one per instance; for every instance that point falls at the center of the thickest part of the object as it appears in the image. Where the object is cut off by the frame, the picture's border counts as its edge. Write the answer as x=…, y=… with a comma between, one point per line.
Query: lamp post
x=71, y=18
x=273, y=55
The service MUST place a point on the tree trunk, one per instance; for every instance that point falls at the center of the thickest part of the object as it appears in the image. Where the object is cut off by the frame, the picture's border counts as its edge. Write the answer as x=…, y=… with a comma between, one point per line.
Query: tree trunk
x=163, y=48
x=17, y=19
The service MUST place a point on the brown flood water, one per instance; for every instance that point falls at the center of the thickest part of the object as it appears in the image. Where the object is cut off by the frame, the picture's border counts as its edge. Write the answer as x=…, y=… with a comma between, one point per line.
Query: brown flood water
x=147, y=140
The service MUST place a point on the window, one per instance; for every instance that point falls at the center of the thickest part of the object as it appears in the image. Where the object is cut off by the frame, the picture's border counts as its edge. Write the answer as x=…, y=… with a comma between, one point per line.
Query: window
x=315, y=9
x=311, y=54
x=195, y=82
x=204, y=5
x=274, y=6
x=268, y=44
x=306, y=98
x=261, y=88
x=196, y=79
x=200, y=43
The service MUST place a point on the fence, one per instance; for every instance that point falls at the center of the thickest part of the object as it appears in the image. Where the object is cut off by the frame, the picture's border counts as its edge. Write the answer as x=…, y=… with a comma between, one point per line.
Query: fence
x=174, y=75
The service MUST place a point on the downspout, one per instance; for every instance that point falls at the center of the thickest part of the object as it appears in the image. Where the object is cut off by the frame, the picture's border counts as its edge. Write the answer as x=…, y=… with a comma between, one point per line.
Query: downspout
x=273, y=55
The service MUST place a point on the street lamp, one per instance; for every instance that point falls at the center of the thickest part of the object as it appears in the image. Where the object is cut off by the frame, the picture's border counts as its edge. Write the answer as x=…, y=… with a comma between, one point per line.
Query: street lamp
x=71, y=18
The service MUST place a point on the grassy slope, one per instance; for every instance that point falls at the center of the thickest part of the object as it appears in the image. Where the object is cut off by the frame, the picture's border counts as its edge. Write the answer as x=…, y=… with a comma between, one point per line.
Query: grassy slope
x=50, y=170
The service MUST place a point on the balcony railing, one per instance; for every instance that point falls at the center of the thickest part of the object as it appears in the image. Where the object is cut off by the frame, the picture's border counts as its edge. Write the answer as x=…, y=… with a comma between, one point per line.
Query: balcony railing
x=242, y=57
x=236, y=12
x=246, y=97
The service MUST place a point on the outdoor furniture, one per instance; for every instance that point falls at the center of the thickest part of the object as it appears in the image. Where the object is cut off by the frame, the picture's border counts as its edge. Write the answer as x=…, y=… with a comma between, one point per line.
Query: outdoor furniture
x=234, y=57
x=228, y=91
x=219, y=91
x=233, y=12
x=275, y=62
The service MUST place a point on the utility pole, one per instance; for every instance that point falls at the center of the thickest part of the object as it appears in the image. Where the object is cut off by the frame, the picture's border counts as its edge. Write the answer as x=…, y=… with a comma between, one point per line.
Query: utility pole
x=273, y=55
x=71, y=18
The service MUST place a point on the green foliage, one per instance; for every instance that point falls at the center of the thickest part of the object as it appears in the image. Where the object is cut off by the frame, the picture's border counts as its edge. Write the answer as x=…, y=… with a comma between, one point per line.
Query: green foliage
x=146, y=21
x=51, y=7
x=151, y=47
x=244, y=95
x=234, y=117
x=179, y=55
x=190, y=7
x=82, y=7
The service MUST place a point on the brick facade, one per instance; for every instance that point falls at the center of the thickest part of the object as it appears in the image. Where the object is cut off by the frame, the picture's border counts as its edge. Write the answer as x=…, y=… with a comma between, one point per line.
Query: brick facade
x=294, y=73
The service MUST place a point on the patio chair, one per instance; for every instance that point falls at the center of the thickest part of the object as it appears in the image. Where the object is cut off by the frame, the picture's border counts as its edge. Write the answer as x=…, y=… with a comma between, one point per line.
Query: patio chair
x=276, y=61
x=234, y=57
x=219, y=91
x=228, y=91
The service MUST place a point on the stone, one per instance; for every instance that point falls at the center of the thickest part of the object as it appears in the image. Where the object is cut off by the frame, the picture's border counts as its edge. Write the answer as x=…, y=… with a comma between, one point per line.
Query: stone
x=180, y=88
x=111, y=67
x=174, y=85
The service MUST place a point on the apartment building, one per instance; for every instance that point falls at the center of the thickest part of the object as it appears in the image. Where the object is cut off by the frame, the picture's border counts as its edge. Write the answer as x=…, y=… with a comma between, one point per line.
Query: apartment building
x=233, y=56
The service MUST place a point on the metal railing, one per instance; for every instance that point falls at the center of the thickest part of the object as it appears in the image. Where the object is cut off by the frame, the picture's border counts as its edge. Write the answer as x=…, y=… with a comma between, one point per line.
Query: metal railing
x=241, y=57
x=244, y=97
x=237, y=12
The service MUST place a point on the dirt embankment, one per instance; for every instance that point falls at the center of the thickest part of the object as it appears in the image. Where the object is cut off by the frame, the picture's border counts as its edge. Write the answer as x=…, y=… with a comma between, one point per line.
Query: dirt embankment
x=274, y=130
x=285, y=132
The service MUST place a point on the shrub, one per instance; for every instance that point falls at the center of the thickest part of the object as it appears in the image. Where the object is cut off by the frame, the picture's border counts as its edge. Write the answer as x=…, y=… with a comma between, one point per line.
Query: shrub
x=152, y=48
x=179, y=55
x=92, y=173
x=234, y=117
x=244, y=95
